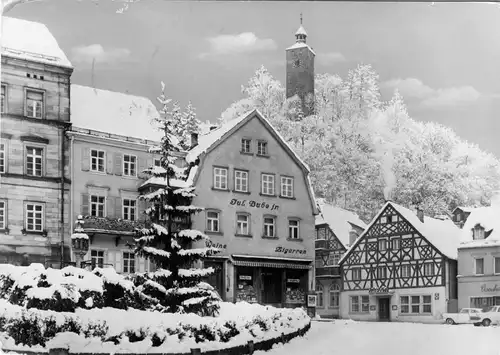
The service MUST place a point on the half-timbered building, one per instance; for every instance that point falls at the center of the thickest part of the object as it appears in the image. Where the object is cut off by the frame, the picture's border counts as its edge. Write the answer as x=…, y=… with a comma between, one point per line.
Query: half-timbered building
x=403, y=267
x=336, y=230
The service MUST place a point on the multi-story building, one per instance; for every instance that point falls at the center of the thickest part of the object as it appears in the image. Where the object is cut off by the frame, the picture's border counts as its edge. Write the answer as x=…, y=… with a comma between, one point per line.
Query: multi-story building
x=300, y=71
x=403, y=267
x=336, y=230
x=259, y=211
x=34, y=153
x=107, y=171
x=479, y=259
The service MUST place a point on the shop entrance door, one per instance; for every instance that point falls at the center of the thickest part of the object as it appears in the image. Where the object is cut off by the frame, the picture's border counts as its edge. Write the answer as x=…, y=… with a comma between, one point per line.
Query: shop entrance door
x=215, y=280
x=383, y=309
x=272, y=286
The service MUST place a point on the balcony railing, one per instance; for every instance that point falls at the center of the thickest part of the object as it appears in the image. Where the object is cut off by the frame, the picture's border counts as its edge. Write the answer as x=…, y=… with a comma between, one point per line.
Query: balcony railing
x=332, y=271
x=123, y=225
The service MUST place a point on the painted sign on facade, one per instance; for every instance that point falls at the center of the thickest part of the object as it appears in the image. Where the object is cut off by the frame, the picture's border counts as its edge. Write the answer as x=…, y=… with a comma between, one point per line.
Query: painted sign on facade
x=210, y=244
x=290, y=251
x=381, y=289
x=490, y=288
x=253, y=204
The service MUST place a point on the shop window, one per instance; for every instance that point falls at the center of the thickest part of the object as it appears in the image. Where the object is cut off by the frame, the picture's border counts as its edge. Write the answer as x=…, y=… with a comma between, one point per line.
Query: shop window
x=319, y=293
x=245, y=290
x=334, y=296
x=295, y=291
x=416, y=304
x=484, y=302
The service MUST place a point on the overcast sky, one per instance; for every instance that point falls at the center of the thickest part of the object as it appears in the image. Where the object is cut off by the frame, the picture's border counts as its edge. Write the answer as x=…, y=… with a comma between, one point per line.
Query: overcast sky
x=445, y=58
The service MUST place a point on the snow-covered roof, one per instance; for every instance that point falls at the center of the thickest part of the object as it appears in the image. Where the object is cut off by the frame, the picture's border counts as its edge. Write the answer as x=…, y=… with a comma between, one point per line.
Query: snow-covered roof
x=339, y=220
x=443, y=235
x=115, y=112
x=301, y=45
x=301, y=31
x=486, y=217
x=31, y=41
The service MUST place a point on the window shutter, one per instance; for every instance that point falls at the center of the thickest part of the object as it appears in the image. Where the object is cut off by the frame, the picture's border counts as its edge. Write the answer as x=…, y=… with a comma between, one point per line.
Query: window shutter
x=84, y=205
x=118, y=169
x=142, y=264
x=141, y=207
x=109, y=163
x=110, y=207
x=118, y=207
x=118, y=261
x=85, y=159
x=141, y=167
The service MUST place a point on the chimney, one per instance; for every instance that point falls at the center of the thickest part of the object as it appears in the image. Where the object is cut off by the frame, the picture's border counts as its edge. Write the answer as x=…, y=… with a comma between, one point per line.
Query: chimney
x=353, y=235
x=194, y=139
x=420, y=214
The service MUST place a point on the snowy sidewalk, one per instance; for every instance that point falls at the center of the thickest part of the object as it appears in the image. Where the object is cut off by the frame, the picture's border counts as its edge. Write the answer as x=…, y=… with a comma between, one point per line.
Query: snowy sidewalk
x=360, y=338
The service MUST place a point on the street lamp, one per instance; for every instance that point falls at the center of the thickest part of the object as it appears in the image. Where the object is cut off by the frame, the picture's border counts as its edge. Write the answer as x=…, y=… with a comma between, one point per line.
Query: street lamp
x=79, y=241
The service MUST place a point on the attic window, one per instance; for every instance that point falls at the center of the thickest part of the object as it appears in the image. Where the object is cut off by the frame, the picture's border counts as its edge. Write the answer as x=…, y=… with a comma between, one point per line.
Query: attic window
x=478, y=232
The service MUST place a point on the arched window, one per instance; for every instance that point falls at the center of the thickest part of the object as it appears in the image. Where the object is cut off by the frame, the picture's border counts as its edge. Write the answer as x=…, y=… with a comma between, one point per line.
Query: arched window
x=319, y=293
x=334, y=295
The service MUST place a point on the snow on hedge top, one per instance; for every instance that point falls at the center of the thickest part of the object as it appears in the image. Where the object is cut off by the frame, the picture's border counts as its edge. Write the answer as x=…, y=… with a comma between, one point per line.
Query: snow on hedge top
x=119, y=113
x=486, y=217
x=31, y=41
x=339, y=220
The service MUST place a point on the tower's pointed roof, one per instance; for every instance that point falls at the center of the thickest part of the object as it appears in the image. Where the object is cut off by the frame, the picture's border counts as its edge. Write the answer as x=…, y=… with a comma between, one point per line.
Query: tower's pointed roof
x=301, y=31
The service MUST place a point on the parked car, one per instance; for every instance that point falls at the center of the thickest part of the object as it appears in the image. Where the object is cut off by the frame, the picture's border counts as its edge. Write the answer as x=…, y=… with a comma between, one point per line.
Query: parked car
x=490, y=316
x=465, y=316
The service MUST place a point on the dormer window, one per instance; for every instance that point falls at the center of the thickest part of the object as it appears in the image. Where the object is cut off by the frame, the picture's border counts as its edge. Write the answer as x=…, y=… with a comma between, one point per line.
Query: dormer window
x=478, y=232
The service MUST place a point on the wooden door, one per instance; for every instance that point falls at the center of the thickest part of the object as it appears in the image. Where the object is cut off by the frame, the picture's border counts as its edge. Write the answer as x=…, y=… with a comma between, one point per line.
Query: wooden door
x=272, y=283
x=383, y=309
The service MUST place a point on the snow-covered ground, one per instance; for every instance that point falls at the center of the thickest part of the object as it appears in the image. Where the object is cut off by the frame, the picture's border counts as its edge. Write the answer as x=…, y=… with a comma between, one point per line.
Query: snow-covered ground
x=360, y=338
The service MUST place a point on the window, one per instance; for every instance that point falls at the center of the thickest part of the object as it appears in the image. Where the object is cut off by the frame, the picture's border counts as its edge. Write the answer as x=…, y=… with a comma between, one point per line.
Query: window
x=286, y=186
x=3, y=221
x=293, y=229
x=241, y=181
x=426, y=304
x=334, y=295
x=246, y=146
x=405, y=304
x=429, y=269
x=267, y=184
x=34, y=217
x=484, y=302
x=128, y=262
x=395, y=244
x=129, y=165
x=97, y=160
x=405, y=270
x=354, y=304
x=157, y=162
x=220, y=178
x=2, y=158
x=2, y=105
x=335, y=259
x=129, y=209
x=242, y=224
x=269, y=227
x=459, y=217
x=356, y=301
x=356, y=274
x=34, y=103
x=381, y=272
x=97, y=205
x=497, y=264
x=382, y=245
x=97, y=258
x=478, y=232
x=212, y=221
x=365, y=304
x=415, y=304
x=261, y=148
x=479, y=266
x=319, y=293
x=34, y=159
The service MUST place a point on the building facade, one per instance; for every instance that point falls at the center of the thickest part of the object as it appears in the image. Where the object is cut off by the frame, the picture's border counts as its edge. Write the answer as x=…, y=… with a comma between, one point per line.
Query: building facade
x=259, y=211
x=34, y=153
x=336, y=230
x=402, y=268
x=300, y=71
x=479, y=259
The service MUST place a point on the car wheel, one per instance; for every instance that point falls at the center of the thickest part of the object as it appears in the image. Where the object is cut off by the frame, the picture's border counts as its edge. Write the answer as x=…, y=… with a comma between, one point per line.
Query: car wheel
x=486, y=322
x=450, y=321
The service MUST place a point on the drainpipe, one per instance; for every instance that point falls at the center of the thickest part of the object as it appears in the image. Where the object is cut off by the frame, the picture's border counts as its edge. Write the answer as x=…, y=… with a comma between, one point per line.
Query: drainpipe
x=63, y=130
x=71, y=207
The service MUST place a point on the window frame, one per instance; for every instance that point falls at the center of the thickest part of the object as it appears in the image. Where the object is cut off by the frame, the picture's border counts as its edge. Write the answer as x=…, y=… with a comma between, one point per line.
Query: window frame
x=127, y=265
x=395, y=239
x=476, y=259
x=129, y=209
x=382, y=272
x=98, y=203
x=363, y=303
x=266, y=145
x=207, y=219
x=104, y=254
x=320, y=295
x=478, y=232
x=3, y=212
x=495, y=270
x=129, y=163
x=97, y=158
x=432, y=269
x=410, y=304
x=214, y=175
x=243, y=145
x=265, y=183
x=354, y=270
x=403, y=267
x=296, y=227
x=282, y=185
x=30, y=89
x=3, y=105
x=384, y=243
x=334, y=294
x=42, y=218
x=248, y=224
x=274, y=219
x=29, y=146
x=3, y=156
x=247, y=179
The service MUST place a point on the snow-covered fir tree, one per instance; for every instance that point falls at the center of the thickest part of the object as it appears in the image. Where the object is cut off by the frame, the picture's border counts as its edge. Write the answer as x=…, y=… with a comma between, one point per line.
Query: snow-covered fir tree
x=191, y=125
x=177, y=284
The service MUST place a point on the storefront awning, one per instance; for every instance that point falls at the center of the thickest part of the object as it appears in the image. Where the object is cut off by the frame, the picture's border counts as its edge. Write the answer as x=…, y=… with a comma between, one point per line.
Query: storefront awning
x=280, y=263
